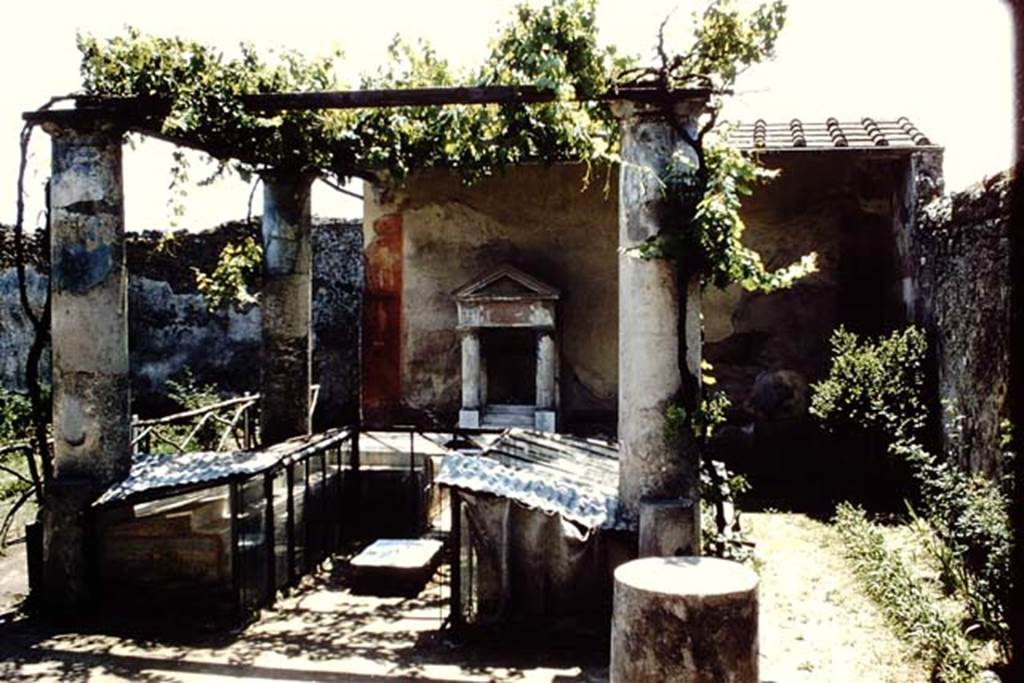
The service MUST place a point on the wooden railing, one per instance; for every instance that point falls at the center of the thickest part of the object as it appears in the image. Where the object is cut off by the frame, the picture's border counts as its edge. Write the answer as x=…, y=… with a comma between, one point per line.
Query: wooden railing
x=234, y=423
x=235, y=418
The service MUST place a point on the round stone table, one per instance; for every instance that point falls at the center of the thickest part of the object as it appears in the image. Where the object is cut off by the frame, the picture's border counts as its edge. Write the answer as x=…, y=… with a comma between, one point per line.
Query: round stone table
x=685, y=619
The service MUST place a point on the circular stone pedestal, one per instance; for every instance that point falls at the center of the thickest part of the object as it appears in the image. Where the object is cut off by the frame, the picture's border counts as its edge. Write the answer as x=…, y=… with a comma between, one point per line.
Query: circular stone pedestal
x=686, y=619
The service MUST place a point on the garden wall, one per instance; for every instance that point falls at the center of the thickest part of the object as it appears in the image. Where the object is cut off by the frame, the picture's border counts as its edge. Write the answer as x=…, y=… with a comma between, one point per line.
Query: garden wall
x=961, y=244
x=171, y=328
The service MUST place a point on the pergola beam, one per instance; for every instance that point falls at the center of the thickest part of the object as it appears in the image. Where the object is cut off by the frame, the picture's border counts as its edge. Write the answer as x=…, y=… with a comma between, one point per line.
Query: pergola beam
x=145, y=107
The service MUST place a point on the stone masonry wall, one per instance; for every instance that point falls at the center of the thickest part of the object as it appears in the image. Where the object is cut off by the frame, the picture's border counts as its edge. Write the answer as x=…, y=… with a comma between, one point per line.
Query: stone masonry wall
x=171, y=329
x=961, y=245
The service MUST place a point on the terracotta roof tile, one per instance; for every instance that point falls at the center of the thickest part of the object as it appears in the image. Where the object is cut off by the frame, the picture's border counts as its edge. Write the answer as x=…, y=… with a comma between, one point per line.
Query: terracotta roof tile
x=867, y=133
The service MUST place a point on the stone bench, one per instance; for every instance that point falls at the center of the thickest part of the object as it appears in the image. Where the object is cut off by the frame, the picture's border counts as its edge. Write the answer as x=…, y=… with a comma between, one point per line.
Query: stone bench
x=395, y=566
x=691, y=619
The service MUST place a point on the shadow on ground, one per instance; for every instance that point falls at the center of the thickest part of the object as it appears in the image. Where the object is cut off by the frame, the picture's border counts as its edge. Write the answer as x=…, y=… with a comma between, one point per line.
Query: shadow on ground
x=322, y=631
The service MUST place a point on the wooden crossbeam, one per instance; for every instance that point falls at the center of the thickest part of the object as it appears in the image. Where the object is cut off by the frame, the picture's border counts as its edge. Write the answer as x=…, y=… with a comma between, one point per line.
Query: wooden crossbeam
x=137, y=108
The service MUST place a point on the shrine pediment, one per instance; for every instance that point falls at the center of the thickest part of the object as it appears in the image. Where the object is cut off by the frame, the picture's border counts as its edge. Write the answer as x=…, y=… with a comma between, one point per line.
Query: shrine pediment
x=507, y=283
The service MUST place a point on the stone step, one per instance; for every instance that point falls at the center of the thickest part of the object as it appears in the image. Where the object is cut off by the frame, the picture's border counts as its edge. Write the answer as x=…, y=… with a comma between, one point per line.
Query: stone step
x=395, y=566
x=509, y=409
x=505, y=415
x=490, y=420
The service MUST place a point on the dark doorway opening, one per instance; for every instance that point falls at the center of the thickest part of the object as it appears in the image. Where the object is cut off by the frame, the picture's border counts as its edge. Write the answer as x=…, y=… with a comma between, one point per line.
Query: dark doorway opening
x=510, y=357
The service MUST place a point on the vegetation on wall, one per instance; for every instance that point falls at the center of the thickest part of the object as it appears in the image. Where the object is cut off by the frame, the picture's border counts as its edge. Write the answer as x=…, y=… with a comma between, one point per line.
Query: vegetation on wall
x=878, y=385
x=234, y=278
x=553, y=47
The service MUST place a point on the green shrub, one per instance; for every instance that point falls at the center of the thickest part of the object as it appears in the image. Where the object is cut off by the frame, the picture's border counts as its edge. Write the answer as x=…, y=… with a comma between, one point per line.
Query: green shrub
x=971, y=517
x=874, y=385
x=190, y=395
x=15, y=417
x=879, y=386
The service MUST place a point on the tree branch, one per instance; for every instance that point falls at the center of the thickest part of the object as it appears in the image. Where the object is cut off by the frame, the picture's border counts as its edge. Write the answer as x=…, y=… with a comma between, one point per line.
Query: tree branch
x=337, y=187
x=9, y=517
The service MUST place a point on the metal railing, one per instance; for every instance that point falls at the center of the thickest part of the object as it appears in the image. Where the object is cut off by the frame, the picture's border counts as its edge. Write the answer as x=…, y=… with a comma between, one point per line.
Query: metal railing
x=288, y=519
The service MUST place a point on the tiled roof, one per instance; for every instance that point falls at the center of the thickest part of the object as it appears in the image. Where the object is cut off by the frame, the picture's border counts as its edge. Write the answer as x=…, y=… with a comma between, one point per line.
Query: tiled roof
x=572, y=477
x=829, y=134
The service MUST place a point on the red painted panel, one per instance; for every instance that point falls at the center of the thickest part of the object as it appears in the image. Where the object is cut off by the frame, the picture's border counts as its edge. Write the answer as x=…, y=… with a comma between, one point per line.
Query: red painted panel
x=382, y=319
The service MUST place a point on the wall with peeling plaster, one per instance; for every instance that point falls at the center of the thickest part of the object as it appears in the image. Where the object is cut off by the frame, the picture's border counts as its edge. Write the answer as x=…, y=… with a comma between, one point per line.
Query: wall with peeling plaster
x=767, y=350
x=435, y=235
x=852, y=209
x=170, y=327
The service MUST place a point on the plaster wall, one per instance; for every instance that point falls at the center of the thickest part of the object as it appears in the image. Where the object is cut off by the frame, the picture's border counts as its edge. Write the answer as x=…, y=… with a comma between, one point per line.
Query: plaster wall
x=539, y=219
x=766, y=348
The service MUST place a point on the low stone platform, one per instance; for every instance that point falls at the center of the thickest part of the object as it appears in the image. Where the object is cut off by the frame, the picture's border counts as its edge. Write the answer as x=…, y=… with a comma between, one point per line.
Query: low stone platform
x=395, y=566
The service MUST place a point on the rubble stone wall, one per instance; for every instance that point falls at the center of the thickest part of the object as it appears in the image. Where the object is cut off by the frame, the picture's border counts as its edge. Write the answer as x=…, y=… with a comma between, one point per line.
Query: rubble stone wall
x=171, y=328
x=961, y=245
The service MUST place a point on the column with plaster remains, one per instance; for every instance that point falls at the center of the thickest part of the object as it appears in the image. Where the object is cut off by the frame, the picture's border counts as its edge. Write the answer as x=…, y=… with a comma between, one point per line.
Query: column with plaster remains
x=654, y=473
x=469, y=415
x=89, y=327
x=286, y=305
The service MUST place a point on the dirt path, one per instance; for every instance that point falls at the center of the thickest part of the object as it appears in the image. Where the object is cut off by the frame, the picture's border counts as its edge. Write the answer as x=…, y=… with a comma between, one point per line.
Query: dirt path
x=816, y=625
x=13, y=576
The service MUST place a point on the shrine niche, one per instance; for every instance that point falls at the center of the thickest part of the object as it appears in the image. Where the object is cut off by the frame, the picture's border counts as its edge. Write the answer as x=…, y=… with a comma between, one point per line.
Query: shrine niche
x=507, y=322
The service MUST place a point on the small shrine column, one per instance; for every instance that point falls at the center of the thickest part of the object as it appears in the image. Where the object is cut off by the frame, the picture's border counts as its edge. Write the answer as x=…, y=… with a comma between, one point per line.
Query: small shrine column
x=89, y=329
x=651, y=308
x=469, y=415
x=286, y=305
x=544, y=417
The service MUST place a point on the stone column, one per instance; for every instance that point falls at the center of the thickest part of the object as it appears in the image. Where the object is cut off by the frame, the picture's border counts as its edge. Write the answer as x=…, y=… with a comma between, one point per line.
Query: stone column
x=651, y=307
x=285, y=303
x=89, y=286
x=469, y=414
x=544, y=416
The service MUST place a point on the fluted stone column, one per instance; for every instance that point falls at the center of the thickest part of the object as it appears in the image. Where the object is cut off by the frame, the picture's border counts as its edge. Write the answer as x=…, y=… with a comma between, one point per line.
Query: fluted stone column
x=89, y=286
x=651, y=307
x=544, y=415
x=469, y=414
x=286, y=304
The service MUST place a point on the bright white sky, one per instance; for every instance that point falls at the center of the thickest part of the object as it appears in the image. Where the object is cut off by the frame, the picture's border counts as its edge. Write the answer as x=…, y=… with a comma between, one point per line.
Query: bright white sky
x=944, y=63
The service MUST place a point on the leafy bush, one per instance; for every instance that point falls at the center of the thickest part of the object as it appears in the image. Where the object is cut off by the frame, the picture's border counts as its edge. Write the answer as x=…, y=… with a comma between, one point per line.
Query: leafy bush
x=970, y=516
x=906, y=607
x=874, y=385
x=190, y=395
x=15, y=416
x=235, y=276
x=878, y=385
